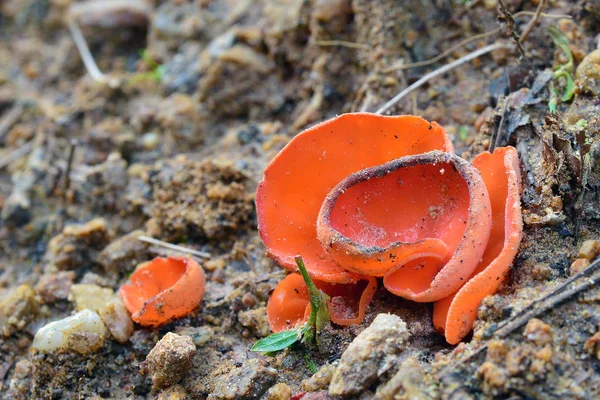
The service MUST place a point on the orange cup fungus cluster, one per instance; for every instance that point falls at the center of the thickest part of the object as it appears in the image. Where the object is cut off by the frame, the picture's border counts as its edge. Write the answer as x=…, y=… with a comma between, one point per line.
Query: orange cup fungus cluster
x=364, y=196
x=163, y=289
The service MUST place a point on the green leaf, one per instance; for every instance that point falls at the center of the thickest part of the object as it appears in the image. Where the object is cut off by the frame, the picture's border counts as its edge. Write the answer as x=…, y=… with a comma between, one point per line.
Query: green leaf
x=559, y=39
x=277, y=341
x=569, y=88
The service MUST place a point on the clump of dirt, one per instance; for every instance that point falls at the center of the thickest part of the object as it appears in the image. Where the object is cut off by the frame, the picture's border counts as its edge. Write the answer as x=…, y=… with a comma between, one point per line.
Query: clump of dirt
x=199, y=200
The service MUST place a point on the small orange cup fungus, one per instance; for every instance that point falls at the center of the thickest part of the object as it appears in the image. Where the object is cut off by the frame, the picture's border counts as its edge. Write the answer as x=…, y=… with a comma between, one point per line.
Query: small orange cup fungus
x=364, y=196
x=454, y=316
x=299, y=178
x=412, y=220
x=289, y=304
x=163, y=289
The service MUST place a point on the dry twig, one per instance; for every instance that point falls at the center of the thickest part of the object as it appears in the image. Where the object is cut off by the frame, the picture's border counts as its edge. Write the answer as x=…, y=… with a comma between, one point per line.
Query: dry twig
x=440, y=71
x=174, y=247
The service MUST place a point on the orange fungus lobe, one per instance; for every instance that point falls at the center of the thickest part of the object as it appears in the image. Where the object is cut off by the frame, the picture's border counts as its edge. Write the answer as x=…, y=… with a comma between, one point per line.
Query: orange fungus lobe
x=411, y=220
x=163, y=289
x=299, y=178
x=454, y=315
x=289, y=304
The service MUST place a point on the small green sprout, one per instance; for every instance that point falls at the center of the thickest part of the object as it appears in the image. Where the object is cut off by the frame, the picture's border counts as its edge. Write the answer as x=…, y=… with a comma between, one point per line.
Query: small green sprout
x=155, y=71
x=564, y=71
x=311, y=364
x=318, y=319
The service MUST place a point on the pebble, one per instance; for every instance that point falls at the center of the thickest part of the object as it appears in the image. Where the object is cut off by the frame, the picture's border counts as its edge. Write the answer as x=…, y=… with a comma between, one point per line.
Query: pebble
x=17, y=310
x=409, y=380
x=579, y=265
x=83, y=333
x=320, y=380
x=170, y=359
x=55, y=287
x=175, y=392
x=589, y=250
x=117, y=319
x=125, y=253
x=373, y=352
x=249, y=381
x=538, y=332
x=280, y=391
x=587, y=75
x=90, y=296
x=200, y=335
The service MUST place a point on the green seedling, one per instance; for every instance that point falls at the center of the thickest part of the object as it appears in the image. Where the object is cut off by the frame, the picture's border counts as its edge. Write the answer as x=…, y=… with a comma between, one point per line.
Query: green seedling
x=564, y=71
x=155, y=71
x=318, y=319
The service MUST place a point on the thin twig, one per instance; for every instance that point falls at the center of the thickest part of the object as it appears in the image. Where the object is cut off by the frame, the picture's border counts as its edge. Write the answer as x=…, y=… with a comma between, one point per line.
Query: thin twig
x=175, y=247
x=510, y=22
x=441, y=55
x=84, y=52
x=69, y=165
x=9, y=119
x=440, y=71
x=16, y=154
x=342, y=43
x=533, y=21
x=464, y=42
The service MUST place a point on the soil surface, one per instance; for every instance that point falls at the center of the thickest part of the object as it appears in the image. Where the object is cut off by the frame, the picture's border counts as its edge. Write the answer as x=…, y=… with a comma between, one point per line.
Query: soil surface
x=199, y=96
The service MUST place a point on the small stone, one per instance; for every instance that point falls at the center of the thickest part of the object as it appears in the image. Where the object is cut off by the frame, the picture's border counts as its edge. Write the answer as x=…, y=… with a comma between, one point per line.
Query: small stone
x=117, y=319
x=55, y=287
x=82, y=333
x=592, y=345
x=77, y=246
x=280, y=391
x=249, y=381
x=17, y=310
x=587, y=75
x=125, y=253
x=492, y=375
x=200, y=335
x=175, y=392
x=372, y=353
x=320, y=380
x=170, y=359
x=538, y=332
x=91, y=297
x=589, y=250
x=255, y=319
x=579, y=265
x=409, y=380
x=518, y=360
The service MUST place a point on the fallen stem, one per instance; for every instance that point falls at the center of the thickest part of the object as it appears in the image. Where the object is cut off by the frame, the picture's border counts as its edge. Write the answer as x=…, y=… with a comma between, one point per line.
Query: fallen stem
x=533, y=21
x=84, y=52
x=16, y=154
x=440, y=71
x=342, y=43
x=175, y=247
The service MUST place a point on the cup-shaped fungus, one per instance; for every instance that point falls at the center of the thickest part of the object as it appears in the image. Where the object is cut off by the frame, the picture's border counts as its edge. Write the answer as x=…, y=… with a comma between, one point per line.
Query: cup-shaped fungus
x=289, y=304
x=454, y=315
x=299, y=178
x=364, y=196
x=163, y=289
x=423, y=221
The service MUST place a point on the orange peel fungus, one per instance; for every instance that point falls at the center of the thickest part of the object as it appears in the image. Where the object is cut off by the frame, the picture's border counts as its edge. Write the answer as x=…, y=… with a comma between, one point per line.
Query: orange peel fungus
x=163, y=289
x=363, y=196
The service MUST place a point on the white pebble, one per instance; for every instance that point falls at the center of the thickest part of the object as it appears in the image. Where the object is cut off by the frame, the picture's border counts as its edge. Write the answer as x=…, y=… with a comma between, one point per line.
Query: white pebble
x=83, y=333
